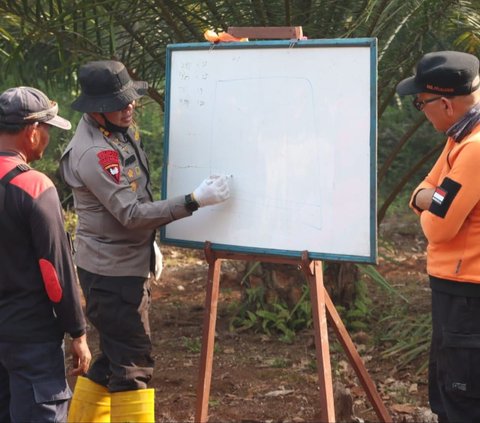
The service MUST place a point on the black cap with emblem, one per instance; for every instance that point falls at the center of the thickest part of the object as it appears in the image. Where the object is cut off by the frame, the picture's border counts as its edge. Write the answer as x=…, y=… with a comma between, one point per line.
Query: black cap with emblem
x=448, y=73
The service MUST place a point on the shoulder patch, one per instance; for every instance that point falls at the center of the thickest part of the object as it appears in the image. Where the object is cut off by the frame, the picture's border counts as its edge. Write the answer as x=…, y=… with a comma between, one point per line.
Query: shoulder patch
x=110, y=163
x=444, y=196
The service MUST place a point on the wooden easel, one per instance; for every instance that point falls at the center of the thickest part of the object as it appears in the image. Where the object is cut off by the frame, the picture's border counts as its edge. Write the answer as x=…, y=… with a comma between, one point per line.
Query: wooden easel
x=322, y=307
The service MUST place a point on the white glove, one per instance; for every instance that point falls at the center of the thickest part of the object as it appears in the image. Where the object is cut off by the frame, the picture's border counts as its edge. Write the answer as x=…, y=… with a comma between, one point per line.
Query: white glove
x=158, y=261
x=212, y=190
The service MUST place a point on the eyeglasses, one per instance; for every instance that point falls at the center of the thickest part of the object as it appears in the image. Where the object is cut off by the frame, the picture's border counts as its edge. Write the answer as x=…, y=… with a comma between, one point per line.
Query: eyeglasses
x=420, y=104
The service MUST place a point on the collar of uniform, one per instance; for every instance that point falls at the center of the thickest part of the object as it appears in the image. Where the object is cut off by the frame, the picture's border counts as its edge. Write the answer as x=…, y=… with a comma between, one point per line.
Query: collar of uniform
x=133, y=133
x=94, y=123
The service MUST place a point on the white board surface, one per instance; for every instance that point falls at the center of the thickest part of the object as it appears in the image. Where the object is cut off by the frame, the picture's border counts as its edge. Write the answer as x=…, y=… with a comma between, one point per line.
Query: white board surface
x=295, y=126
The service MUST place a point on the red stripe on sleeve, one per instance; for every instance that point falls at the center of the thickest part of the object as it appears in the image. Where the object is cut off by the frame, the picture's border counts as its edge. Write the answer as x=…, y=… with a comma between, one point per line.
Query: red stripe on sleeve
x=50, y=280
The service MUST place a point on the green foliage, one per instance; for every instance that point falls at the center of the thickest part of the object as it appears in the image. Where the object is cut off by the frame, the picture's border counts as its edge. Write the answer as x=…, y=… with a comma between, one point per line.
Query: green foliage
x=409, y=338
x=192, y=345
x=213, y=402
x=256, y=314
x=149, y=116
x=376, y=277
x=280, y=363
x=71, y=220
x=357, y=316
x=43, y=43
x=49, y=164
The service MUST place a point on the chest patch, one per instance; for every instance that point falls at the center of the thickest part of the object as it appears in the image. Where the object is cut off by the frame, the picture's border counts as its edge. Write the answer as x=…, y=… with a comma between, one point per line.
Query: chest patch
x=110, y=163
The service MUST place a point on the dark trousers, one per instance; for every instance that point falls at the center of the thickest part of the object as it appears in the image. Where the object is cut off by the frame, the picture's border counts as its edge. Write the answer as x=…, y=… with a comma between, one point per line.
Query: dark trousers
x=454, y=370
x=118, y=308
x=33, y=387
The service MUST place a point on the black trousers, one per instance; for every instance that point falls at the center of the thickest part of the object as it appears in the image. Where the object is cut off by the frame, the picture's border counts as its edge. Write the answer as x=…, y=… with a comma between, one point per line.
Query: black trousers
x=454, y=370
x=118, y=308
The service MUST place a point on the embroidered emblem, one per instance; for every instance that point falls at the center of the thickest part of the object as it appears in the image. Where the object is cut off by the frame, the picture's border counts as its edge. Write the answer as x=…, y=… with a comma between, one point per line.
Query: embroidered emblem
x=136, y=132
x=134, y=186
x=121, y=145
x=108, y=159
x=439, y=195
x=137, y=170
x=130, y=173
x=130, y=160
x=459, y=386
x=104, y=131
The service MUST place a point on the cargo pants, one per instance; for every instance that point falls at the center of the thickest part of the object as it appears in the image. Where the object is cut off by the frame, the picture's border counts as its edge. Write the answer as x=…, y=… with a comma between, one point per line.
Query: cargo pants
x=454, y=368
x=33, y=387
x=118, y=306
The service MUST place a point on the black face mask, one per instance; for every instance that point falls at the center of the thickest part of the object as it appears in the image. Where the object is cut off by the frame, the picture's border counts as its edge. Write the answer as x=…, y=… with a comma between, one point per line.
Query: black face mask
x=109, y=126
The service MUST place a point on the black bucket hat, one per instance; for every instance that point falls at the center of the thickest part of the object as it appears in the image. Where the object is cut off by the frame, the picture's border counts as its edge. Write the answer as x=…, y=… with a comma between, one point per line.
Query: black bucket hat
x=106, y=87
x=447, y=73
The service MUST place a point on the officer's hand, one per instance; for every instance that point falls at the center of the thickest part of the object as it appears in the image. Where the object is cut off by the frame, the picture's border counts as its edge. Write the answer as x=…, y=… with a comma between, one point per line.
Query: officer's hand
x=212, y=190
x=81, y=356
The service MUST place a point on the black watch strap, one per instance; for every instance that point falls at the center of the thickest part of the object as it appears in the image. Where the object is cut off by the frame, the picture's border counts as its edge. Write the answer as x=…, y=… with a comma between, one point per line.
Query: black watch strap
x=190, y=203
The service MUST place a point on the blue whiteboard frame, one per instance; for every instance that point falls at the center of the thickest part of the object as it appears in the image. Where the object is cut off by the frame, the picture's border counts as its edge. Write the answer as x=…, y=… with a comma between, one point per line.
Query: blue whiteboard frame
x=371, y=43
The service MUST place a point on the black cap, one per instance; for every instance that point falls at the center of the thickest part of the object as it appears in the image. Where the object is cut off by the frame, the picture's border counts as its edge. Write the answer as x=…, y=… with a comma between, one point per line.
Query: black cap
x=106, y=87
x=446, y=73
x=27, y=105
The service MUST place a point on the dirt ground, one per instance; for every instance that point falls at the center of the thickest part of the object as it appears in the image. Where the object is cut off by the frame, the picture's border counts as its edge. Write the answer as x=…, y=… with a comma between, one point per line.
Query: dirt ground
x=257, y=378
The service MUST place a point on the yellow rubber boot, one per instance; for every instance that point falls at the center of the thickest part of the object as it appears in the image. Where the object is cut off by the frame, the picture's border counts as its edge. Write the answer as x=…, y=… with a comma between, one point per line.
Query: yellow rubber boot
x=90, y=403
x=134, y=406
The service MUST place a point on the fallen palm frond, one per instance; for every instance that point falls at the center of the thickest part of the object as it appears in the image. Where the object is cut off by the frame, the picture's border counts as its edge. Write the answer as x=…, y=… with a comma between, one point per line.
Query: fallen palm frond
x=410, y=339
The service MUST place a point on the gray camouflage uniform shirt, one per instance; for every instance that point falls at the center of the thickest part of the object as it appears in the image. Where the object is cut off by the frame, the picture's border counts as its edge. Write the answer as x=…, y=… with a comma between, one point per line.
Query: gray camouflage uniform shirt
x=117, y=217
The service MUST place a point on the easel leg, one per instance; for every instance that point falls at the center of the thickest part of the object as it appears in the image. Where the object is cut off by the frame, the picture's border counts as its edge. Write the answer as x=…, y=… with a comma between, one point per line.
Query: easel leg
x=208, y=340
x=356, y=361
x=317, y=294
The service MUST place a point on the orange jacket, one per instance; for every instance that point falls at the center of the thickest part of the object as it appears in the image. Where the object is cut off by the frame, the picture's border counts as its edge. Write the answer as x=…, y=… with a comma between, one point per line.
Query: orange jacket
x=452, y=223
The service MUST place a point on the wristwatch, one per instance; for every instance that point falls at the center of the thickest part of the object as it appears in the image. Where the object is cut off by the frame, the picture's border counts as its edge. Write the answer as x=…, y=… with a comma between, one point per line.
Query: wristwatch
x=190, y=203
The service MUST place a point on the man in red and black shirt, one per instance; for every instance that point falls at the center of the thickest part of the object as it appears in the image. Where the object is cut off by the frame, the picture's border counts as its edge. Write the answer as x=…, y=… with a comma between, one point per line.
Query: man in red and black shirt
x=39, y=298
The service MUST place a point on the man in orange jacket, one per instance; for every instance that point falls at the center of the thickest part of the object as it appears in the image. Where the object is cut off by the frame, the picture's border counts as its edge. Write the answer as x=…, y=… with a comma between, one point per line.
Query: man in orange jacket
x=446, y=88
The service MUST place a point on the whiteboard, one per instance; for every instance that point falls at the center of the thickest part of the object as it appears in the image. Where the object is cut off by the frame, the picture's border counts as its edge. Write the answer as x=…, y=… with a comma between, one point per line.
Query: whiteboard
x=294, y=124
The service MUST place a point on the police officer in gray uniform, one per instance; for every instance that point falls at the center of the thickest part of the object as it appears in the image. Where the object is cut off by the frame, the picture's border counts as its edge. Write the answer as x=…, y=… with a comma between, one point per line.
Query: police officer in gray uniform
x=107, y=169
